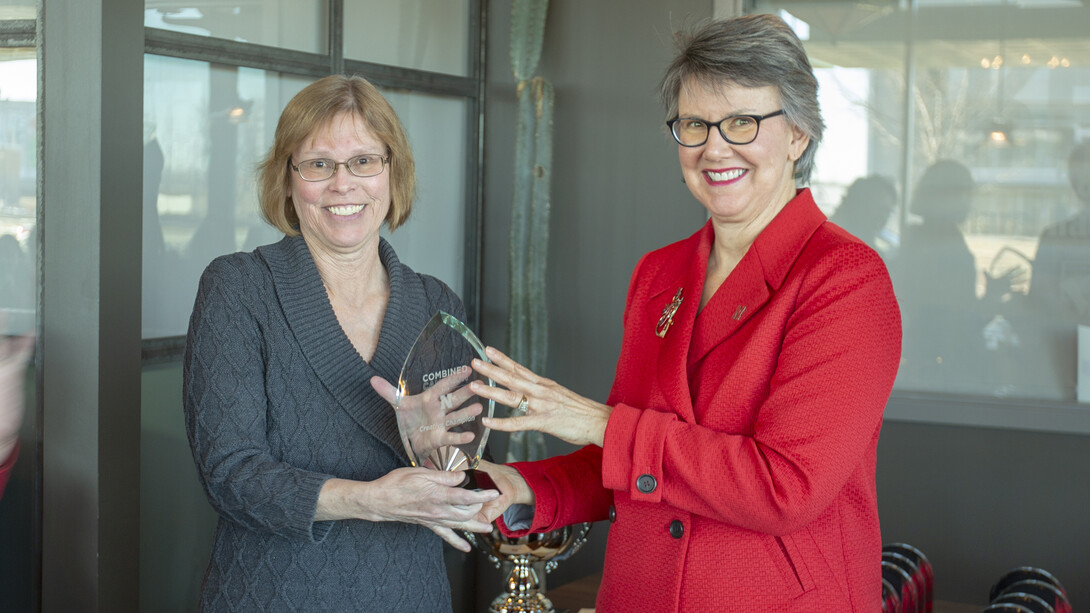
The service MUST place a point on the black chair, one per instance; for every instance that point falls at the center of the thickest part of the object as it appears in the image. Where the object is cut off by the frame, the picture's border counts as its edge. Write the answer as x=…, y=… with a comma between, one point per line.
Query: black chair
x=1054, y=596
x=926, y=573
x=1006, y=607
x=905, y=587
x=914, y=574
x=1023, y=573
x=891, y=598
x=1029, y=601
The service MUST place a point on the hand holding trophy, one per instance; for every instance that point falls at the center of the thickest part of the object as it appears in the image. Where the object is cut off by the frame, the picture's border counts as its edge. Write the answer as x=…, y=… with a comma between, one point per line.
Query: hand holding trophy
x=437, y=415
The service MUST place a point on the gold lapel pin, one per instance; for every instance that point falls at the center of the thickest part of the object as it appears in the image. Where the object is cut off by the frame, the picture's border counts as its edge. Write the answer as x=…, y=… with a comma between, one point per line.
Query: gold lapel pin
x=668, y=312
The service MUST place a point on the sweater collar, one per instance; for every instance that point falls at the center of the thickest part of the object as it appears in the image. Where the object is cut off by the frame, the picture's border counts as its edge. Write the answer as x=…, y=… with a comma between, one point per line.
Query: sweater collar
x=326, y=347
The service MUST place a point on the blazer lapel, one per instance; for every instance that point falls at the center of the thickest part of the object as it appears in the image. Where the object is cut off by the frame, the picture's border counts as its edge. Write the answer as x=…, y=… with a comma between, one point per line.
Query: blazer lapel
x=741, y=295
x=684, y=271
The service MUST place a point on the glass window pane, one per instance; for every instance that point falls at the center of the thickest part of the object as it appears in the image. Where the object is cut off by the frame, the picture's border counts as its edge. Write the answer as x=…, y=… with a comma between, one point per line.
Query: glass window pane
x=18, y=160
x=18, y=285
x=998, y=112
x=205, y=129
x=289, y=24
x=433, y=240
x=420, y=34
x=990, y=246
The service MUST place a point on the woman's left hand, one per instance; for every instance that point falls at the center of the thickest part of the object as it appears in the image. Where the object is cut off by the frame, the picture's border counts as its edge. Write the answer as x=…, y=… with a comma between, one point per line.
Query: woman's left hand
x=550, y=407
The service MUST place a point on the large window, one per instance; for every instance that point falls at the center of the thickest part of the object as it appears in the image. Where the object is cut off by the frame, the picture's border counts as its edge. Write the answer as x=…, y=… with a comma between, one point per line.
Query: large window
x=957, y=145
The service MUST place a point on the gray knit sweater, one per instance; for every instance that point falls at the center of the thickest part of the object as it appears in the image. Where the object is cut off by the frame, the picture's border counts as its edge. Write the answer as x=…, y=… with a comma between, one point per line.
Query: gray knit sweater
x=277, y=401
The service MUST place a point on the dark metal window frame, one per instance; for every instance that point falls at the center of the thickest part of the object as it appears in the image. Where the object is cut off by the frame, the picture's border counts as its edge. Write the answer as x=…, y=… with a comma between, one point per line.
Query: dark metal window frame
x=471, y=88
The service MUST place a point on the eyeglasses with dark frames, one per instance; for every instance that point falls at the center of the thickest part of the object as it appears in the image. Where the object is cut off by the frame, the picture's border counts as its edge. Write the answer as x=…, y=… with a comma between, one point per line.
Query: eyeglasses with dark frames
x=320, y=169
x=736, y=129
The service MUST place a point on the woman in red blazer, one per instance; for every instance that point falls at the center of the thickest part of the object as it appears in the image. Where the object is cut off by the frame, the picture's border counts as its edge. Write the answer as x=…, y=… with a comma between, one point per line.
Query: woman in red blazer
x=735, y=456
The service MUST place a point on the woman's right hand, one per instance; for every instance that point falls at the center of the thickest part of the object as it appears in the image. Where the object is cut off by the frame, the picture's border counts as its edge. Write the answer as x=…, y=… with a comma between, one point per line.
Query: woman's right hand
x=423, y=496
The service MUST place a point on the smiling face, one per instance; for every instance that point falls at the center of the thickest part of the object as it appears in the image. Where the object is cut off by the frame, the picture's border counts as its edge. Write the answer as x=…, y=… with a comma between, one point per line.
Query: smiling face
x=342, y=214
x=740, y=184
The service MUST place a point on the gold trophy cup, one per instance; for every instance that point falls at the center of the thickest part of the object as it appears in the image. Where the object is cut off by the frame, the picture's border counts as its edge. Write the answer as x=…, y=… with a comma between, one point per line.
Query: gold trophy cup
x=523, y=593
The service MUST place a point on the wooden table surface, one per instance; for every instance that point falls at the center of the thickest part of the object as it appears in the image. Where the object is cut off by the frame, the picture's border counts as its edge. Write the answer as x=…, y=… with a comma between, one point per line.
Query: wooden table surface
x=578, y=597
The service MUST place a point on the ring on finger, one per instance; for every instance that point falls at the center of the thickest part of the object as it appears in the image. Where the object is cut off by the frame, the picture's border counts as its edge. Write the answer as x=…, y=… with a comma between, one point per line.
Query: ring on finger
x=524, y=405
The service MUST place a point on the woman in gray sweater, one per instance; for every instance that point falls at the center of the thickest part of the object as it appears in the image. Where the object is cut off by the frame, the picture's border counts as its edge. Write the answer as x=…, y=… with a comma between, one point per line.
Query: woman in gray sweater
x=287, y=345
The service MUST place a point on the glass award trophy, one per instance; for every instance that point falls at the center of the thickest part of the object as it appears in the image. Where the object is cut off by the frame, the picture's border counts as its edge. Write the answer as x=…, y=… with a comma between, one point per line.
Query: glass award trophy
x=438, y=417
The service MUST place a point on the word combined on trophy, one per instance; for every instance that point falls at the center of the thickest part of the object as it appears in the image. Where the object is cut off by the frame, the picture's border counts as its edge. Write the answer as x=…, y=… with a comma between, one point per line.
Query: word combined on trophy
x=438, y=416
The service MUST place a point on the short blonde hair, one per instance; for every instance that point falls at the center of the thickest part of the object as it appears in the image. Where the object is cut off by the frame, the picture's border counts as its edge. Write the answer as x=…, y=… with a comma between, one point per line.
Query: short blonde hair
x=313, y=109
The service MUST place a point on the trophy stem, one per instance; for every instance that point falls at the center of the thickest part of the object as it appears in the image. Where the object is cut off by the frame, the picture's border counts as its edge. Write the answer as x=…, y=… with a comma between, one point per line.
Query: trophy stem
x=523, y=593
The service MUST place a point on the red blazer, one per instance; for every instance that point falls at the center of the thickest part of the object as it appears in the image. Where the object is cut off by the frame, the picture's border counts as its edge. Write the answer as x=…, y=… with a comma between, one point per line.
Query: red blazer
x=738, y=468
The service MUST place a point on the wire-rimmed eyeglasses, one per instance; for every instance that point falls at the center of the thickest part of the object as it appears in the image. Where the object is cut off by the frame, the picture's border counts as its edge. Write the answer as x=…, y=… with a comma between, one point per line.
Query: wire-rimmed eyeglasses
x=320, y=169
x=736, y=129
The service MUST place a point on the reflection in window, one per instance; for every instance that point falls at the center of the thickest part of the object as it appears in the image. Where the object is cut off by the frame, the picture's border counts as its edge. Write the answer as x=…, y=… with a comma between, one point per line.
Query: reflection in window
x=205, y=128
x=18, y=159
x=18, y=285
x=989, y=243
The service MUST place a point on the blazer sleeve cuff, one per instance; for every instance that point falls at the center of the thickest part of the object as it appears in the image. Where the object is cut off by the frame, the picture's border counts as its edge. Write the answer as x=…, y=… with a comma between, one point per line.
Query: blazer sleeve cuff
x=545, y=502
x=633, y=452
x=307, y=502
x=567, y=489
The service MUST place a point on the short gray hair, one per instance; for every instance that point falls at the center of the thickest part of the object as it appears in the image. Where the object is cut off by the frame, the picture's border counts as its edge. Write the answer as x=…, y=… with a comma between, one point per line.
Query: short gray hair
x=750, y=51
